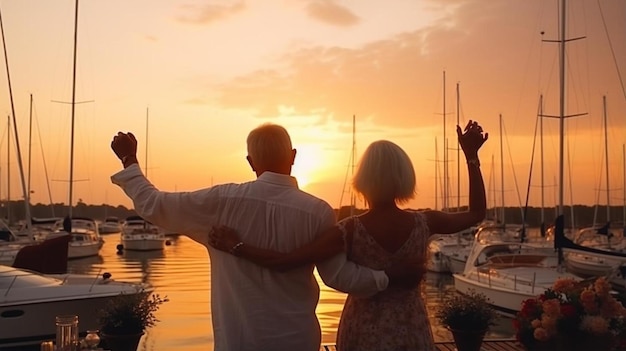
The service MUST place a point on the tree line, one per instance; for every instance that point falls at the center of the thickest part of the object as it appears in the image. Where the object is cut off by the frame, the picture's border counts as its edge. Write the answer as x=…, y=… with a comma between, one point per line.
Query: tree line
x=584, y=215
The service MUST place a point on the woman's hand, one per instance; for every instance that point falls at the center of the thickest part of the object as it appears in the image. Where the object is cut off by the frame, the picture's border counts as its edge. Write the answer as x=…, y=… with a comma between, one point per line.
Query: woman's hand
x=223, y=238
x=471, y=139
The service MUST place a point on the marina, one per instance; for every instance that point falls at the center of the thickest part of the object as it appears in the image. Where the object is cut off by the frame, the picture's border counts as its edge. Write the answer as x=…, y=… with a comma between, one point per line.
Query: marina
x=182, y=273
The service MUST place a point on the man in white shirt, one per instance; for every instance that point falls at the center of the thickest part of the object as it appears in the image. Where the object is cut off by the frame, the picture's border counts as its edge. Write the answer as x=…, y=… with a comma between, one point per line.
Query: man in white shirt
x=253, y=308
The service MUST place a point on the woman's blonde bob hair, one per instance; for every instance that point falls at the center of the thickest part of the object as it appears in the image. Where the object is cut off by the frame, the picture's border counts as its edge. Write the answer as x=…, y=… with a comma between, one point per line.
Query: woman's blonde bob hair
x=385, y=172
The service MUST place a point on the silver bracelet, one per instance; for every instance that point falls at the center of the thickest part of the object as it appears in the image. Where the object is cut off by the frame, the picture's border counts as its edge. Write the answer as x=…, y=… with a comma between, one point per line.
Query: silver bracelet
x=473, y=161
x=125, y=158
x=235, y=249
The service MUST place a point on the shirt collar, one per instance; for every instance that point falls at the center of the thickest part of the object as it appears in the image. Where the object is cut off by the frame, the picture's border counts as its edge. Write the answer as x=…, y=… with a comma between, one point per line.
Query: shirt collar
x=277, y=178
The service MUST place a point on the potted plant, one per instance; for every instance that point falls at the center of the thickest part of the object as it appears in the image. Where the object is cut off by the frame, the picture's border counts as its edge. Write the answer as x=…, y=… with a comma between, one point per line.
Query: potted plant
x=468, y=317
x=124, y=319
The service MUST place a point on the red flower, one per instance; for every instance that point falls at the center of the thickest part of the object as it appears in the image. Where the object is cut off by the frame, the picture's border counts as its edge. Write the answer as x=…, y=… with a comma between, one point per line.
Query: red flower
x=516, y=324
x=529, y=308
x=568, y=311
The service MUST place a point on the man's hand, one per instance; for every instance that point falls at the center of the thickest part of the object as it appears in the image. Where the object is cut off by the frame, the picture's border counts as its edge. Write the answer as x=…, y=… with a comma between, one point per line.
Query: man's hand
x=406, y=274
x=125, y=147
x=223, y=238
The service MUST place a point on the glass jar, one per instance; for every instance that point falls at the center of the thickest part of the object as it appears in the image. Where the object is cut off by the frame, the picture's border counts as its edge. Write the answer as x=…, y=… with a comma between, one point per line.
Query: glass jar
x=92, y=339
x=47, y=346
x=67, y=333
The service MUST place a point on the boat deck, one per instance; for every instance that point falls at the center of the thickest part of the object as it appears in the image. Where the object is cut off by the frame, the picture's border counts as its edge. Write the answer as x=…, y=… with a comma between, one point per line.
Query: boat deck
x=488, y=345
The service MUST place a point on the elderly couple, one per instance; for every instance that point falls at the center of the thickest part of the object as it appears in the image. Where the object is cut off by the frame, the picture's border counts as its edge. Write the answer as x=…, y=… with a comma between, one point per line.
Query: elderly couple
x=268, y=236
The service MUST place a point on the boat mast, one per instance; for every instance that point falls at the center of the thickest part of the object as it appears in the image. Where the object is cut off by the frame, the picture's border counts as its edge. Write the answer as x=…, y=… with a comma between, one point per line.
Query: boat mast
x=502, y=170
x=561, y=105
x=445, y=150
x=458, y=153
x=562, y=41
x=437, y=174
x=17, y=143
x=30, y=141
x=73, y=111
x=606, y=162
x=8, y=169
x=352, y=194
x=146, y=164
x=541, y=161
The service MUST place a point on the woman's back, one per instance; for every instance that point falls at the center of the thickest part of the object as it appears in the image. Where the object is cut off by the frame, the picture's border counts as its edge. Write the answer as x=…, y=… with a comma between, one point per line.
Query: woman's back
x=394, y=319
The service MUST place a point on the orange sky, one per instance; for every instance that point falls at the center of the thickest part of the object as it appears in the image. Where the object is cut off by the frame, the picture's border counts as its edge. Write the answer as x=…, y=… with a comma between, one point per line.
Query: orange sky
x=209, y=71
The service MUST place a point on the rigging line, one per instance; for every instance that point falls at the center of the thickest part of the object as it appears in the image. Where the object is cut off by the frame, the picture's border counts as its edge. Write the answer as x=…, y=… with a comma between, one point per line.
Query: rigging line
x=519, y=198
x=17, y=141
x=571, y=187
x=527, y=64
x=45, y=167
x=345, y=180
x=532, y=162
x=608, y=37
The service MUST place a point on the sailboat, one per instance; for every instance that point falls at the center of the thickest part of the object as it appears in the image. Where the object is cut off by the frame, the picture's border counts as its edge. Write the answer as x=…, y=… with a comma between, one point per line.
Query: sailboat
x=351, y=167
x=137, y=233
x=510, y=273
x=85, y=238
x=605, y=238
x=29, y=301
x=448, y=253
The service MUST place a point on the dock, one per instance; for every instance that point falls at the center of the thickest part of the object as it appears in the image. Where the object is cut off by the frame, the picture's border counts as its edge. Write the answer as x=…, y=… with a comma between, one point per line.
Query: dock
x=488, y=345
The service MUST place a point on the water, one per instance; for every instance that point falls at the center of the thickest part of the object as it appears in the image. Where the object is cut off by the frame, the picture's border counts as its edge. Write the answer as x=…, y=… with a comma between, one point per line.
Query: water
x=181, y=272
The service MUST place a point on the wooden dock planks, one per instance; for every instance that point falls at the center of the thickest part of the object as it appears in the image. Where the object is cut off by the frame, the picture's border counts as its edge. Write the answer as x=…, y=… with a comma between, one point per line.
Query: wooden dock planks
x=488, y=345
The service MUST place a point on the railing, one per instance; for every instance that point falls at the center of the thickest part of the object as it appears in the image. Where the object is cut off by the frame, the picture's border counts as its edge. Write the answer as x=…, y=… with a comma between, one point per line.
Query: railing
x=503, y=278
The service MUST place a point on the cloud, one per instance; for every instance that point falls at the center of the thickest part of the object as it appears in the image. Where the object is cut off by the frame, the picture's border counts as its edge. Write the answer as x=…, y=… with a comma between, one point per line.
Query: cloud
x=150, y=38
x=330, y=13
x=495, y=54
x=209, y=13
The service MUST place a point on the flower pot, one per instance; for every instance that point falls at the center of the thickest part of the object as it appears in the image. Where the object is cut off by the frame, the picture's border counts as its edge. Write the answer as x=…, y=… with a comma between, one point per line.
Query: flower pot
x=123, y=342
x=468, y=340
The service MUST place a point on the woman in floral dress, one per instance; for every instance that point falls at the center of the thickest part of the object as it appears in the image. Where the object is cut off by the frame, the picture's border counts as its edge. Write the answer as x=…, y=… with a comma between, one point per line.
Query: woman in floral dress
x=396, y=318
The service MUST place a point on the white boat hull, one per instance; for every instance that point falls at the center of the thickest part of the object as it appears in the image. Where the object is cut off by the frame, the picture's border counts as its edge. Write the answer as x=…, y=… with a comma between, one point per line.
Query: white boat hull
x=508, y=288
x=109, y=229
x=29, y=303
x=508, y=301
x=587, y=265
x=36, y=322
x=87, y=250
x=143, y=242
x=457, y=263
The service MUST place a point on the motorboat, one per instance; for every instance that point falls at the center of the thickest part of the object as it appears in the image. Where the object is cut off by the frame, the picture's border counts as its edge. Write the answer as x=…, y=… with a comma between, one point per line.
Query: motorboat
x=611, y=261
x=30, y=301
x=509, y=272
x=85, y=238
x=141, y=235
x=111, y=225
x=448, y=253
x=592, y=264
x=11, y=244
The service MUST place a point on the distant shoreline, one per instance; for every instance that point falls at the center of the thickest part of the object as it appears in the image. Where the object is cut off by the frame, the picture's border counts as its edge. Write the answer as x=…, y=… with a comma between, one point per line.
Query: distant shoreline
x=584, y=214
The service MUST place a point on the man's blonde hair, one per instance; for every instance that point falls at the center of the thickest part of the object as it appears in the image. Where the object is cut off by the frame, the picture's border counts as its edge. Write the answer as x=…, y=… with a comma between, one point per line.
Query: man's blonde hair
x=269, y=145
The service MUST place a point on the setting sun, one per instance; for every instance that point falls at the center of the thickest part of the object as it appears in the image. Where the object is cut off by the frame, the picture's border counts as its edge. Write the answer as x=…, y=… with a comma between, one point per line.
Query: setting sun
x=307, y=164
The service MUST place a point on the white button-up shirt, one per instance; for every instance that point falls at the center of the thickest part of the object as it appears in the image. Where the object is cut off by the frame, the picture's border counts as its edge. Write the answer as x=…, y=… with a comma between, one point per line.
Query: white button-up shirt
x=254, y=308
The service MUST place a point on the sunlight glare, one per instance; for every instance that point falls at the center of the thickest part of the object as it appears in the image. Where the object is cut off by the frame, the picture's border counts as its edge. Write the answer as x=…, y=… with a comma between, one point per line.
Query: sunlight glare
x=307, y=164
